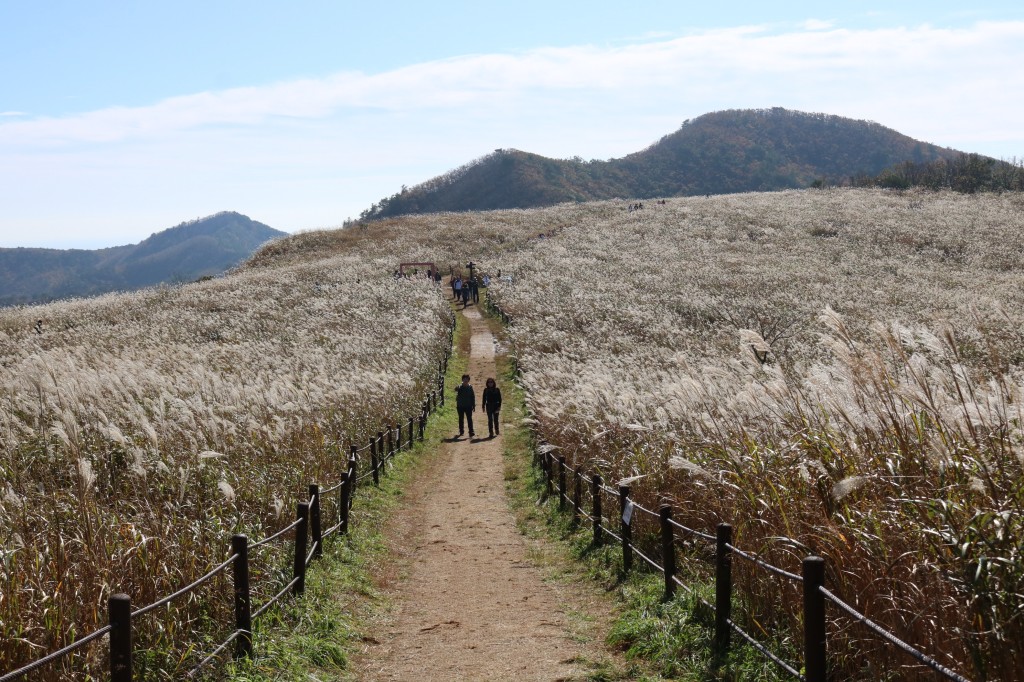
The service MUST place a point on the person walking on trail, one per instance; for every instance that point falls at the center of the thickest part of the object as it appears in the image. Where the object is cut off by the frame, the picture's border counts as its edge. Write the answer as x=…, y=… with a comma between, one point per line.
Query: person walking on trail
x=465, y=295
x=491, y=402
x=457, y=288
x=474, y=290
x=465, y=404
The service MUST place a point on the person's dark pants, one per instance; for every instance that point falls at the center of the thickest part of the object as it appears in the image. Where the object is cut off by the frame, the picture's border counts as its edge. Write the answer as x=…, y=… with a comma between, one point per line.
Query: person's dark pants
x=492, y=423
x=476, y=295
x=465, y=297
x=468, y=414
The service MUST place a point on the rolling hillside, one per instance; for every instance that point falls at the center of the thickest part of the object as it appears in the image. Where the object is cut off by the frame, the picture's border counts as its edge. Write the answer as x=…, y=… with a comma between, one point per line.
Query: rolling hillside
x=718, y=153
x=204, y=247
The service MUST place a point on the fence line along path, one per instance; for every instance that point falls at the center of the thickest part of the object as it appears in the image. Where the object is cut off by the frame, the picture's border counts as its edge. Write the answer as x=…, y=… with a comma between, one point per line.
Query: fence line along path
x=469, y=605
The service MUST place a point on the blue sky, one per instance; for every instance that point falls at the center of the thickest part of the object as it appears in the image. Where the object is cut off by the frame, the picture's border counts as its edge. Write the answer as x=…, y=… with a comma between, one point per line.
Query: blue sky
x=119, y=119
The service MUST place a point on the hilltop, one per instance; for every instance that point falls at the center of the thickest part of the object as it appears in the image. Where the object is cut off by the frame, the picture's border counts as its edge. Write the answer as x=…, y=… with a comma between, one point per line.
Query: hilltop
x=718, y=153
x=203, y=247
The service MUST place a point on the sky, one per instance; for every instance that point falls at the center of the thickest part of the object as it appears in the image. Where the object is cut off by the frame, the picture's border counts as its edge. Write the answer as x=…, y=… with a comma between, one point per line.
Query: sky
x=121, y=119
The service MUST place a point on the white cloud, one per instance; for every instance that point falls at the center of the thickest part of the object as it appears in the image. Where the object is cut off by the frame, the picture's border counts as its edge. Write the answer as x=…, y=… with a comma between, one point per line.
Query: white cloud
x=310, y=152
x=817, y=25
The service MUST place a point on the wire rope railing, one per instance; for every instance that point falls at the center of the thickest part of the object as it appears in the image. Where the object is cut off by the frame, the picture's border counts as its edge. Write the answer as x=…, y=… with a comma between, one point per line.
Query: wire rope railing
x=185, y=590
x=56, y=655
x=782, y=573
x=891, y=638
x=275, y=536
x=765, y=651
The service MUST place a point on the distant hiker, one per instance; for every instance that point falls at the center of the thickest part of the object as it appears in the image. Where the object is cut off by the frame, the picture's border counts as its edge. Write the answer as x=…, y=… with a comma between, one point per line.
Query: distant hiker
x=487, y=281
x=491, y=402
x=474, y=290
x=457, y=288
x=39, y=327
x=465, y=404
x=437, y=277
x=465, y=295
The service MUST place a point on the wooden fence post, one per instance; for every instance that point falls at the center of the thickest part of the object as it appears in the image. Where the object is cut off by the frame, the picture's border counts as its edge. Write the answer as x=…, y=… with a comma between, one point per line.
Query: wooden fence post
x=343, y=500
x=299, y=565
x=353, y=476
x=668, y=550
x=549, y=473
x=382, y=454
x=626, y=528
x=375, y=462
x=723, y=588
x=441, y=390
x=577, y=495
x=243, y=599
x=410, y=432
x=119, y=613
x=814, y=619
x=391, y=442
x=314, y=521
x=561, y=483
x=595, y=490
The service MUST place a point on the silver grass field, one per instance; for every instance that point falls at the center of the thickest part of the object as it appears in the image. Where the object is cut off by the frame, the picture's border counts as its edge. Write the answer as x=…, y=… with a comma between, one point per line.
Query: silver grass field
x=832, y=371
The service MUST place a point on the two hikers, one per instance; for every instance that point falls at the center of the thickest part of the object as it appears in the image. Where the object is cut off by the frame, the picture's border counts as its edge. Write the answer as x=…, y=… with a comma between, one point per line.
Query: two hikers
x=465, y=404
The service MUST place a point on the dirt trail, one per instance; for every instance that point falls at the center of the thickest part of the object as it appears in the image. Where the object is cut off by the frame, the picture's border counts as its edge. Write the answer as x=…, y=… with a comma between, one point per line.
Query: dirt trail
x=471, y=605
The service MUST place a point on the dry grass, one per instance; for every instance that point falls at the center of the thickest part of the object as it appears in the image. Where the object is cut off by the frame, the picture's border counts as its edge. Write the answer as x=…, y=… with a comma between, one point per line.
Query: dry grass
x=830, y=371
x=138, y=432
x=855, y=394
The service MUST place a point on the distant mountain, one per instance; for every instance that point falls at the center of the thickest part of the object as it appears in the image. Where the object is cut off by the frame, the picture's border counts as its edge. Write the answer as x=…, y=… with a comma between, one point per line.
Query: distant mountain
x=200, y=248
x=718, y=153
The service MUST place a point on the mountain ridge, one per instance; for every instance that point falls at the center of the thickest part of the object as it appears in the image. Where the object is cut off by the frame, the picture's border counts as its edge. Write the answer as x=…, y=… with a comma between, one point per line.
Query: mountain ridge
x=736, y=150
x=199, y=248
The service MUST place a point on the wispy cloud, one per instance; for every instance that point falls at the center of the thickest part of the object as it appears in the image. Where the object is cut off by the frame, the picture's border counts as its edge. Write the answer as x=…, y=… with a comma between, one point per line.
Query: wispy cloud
x=912, y=61
x=313, y=151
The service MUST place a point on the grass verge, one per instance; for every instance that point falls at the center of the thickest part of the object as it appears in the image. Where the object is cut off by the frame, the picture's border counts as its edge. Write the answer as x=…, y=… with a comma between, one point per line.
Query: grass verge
x=313, y=637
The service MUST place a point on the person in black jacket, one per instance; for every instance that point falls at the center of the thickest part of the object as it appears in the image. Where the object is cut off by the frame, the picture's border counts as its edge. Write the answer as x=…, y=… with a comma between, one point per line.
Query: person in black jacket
x=492, y=406
x=465, y=404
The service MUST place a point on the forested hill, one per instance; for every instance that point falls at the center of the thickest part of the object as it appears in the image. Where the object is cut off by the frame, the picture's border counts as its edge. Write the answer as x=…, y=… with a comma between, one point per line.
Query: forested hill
x=721, y=152
x=203, y=247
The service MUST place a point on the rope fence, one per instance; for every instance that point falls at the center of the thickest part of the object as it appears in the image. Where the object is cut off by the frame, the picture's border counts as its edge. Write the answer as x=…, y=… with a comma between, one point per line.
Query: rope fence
x=308, y=546
x=586, y=502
